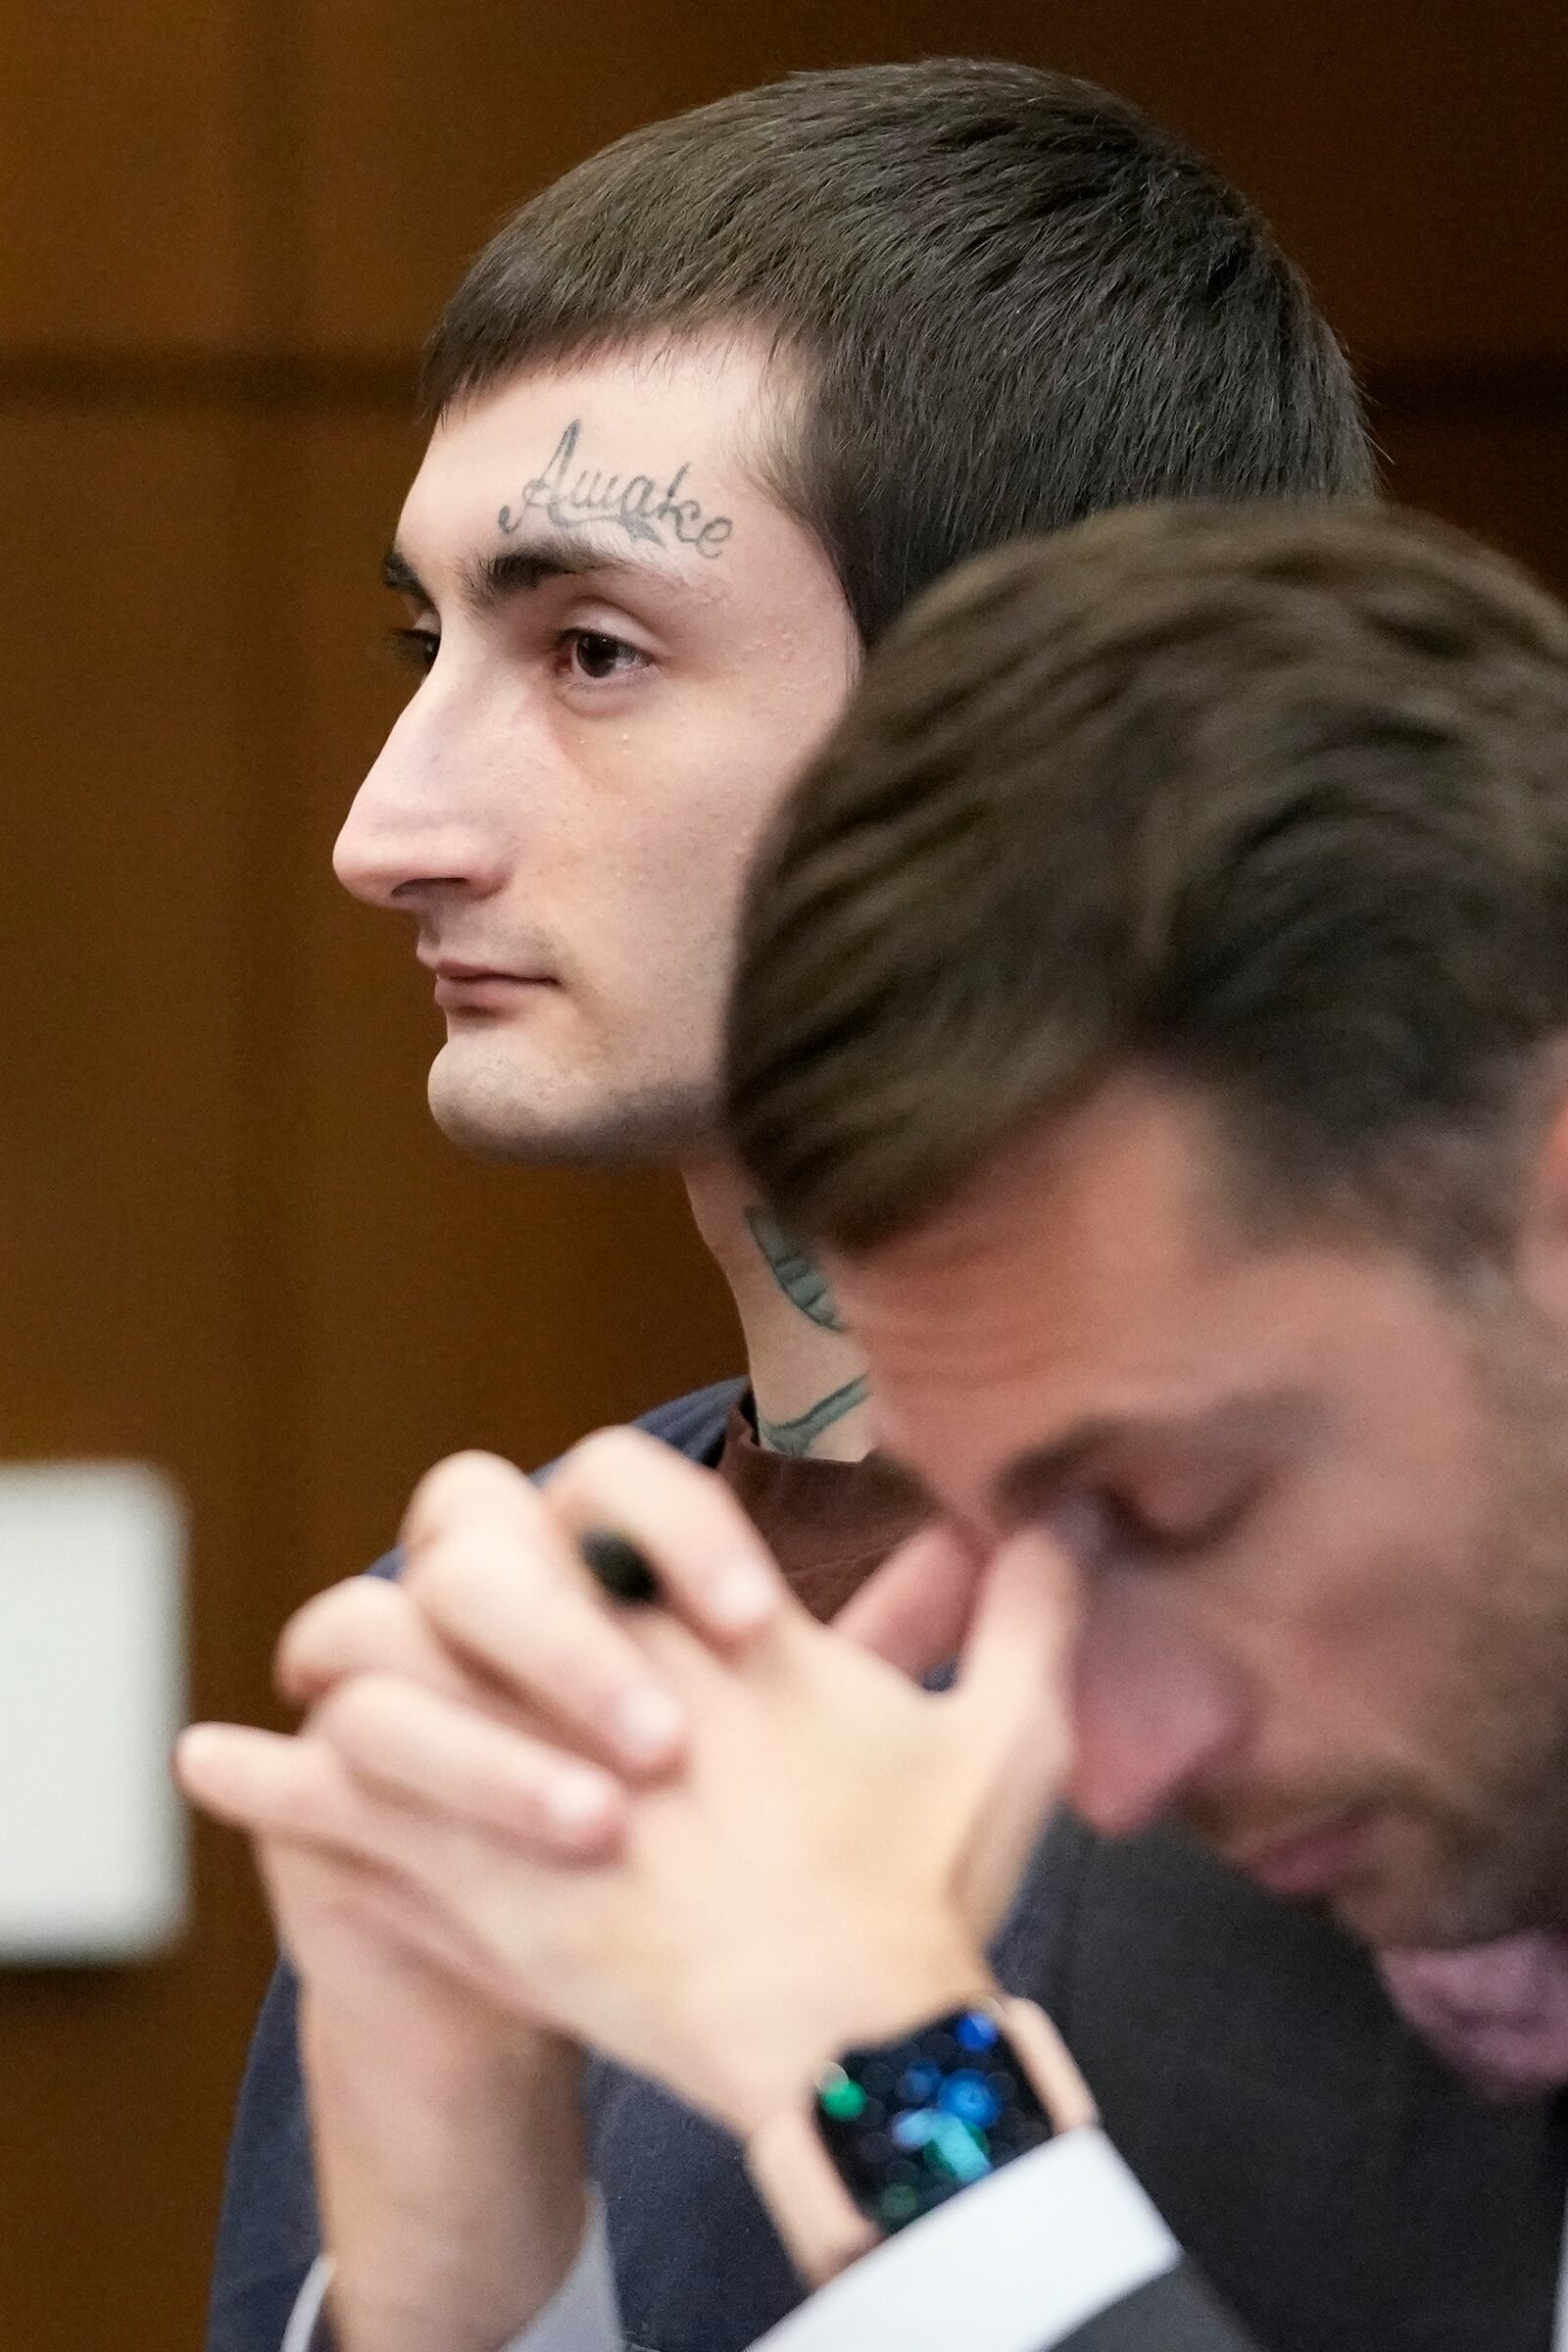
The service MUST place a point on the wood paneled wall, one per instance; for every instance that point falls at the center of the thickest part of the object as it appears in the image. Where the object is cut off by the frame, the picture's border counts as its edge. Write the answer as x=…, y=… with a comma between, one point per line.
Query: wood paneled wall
x=230, y=1240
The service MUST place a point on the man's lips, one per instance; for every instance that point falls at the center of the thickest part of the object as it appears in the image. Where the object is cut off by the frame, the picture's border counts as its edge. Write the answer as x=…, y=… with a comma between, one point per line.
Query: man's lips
x=478, y=987
x=1309, y=1860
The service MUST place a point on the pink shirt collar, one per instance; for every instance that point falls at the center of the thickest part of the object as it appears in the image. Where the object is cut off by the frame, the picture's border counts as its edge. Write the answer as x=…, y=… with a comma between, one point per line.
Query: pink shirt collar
x=1499, y=2012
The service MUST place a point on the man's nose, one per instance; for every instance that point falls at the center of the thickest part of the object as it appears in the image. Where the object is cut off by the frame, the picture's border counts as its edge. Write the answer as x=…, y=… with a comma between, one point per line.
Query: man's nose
x=414, y=830
x=1155, y=1706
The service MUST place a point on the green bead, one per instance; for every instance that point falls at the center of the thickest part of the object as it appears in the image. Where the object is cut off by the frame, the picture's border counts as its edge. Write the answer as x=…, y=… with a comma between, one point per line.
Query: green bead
x=838, y=2097
x=898, y=2203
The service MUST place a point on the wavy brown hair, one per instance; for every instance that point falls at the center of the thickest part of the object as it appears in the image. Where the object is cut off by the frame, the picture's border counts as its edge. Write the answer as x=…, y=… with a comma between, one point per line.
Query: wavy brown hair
x=1272, y=802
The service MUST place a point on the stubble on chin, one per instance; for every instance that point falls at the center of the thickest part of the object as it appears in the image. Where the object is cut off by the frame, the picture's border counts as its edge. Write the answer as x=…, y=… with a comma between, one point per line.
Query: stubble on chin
x=1480, y=1849
x=1442, y=1889
x=1515, y=1714
x=1488, y=1852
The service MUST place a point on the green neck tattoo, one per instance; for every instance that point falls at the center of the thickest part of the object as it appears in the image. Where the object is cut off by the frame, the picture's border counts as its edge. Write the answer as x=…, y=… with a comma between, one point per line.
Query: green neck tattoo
x=806, y=1291
x=797, y=1438
x=799, y=1280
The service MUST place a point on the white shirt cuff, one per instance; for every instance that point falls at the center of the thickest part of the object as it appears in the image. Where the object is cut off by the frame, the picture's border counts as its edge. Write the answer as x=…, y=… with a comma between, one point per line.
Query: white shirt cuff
x=582, y=2315
x=1013, y=2265
x=300, y=2336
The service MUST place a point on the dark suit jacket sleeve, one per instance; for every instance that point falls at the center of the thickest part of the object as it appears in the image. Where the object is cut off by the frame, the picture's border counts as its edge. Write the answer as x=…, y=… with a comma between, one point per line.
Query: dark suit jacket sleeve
x=1175, y=2313
x=269, y=2235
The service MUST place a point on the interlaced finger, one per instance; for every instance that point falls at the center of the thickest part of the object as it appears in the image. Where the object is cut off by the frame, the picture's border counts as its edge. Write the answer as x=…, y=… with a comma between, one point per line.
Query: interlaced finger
x=497, y=1573
x=418, y=1745
x=364, y=1625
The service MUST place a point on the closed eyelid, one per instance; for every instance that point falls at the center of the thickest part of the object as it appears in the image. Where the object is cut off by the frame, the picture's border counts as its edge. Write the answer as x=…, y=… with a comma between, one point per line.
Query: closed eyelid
x=1103, y=1452
x=1199, y=1526
x=1099, y=1520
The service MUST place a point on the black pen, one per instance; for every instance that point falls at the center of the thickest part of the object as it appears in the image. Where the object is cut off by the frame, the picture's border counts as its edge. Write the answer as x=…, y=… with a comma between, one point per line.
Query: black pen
x=622, y=1570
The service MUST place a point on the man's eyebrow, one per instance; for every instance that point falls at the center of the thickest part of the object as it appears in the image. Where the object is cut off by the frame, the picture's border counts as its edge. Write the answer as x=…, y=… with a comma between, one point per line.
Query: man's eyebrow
x=1033, y=1481
x=399, y=574
x=490, y=581
x=487, y=582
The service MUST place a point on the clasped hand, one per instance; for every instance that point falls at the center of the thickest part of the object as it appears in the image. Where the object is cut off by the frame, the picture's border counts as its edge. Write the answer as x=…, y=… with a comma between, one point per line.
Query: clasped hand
x=711, y=1838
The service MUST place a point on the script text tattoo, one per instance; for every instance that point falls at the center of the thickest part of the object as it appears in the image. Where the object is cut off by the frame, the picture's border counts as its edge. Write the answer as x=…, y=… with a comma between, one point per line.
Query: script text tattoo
x=571, y=497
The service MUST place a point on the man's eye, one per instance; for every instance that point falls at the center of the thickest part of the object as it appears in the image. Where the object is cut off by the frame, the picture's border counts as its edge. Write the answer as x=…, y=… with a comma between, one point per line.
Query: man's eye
x=594, y=655
x=1131, y=1528
x=417, y=647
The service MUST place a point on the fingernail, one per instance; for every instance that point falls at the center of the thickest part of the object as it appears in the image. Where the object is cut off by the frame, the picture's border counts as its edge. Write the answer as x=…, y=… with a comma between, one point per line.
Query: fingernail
x=648, y=1723
x=578, y=1801
x=742, y=1596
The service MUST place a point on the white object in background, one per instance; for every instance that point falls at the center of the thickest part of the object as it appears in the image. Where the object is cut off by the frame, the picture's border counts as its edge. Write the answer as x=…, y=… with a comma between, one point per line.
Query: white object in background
x=92, y=1679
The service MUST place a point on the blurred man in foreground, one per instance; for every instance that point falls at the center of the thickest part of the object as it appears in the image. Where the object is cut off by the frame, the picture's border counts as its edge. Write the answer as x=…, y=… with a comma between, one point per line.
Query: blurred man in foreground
x=1155, y=1008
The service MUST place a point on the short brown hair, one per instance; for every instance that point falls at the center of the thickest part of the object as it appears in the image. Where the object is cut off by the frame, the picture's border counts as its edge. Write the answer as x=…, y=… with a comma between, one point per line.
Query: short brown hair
x=1009, y=300
x=1270, y=801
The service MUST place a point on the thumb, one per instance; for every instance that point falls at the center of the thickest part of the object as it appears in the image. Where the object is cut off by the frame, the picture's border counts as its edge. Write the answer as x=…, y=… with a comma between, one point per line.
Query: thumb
x=1011, y=1708
x=915, y=1610
x=1014, y=1670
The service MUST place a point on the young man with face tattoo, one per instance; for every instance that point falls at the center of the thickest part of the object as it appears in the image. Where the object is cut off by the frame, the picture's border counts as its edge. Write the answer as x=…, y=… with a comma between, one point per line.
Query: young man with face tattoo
x=709, y=412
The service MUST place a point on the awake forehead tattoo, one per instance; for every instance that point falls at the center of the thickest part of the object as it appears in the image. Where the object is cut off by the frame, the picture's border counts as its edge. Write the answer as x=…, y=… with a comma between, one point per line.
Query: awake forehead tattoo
x=570, y=496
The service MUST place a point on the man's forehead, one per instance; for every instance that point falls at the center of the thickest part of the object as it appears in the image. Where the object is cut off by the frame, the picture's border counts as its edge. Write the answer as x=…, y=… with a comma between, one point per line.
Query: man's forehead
x=632, y=407
x=1112, y=1202
x=603, y=464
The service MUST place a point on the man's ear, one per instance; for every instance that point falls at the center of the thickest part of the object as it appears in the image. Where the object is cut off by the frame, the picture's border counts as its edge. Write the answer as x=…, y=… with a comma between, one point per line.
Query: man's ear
x=1543, y=1215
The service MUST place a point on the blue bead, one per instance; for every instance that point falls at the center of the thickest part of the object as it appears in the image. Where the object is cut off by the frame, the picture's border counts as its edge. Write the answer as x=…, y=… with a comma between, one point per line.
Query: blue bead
x=969, y=2097
x=975, y=2031
x=913, y=2130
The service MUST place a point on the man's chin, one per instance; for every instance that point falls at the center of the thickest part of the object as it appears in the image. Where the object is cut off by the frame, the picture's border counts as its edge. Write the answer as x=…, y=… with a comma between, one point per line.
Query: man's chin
x=1419, y=1902
x=553, y=1125
x=1387, y=1916
x=1384, y=1873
